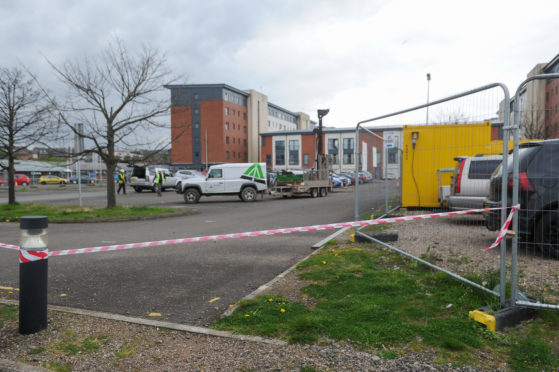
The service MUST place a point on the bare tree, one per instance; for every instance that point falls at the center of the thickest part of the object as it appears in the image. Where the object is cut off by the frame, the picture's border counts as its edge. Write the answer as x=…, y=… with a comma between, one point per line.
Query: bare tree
x=532, y=123
x=115, y=95
x=23, y=118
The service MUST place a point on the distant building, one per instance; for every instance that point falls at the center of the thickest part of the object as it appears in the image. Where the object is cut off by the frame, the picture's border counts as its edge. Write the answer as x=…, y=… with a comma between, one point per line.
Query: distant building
x=215, y=123
x=538, y=104
x=297, y=150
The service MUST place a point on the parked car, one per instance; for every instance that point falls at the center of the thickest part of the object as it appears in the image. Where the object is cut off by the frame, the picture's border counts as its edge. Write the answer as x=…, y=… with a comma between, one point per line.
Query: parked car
x=143, y=177
x=19, y=180
x=366, y=176
x=336, y=182
x=538, y=173
x=349, y=176
x=83, y=179
x=50, y=179
x=183, y=174
x=469, y=184
x=345, y=180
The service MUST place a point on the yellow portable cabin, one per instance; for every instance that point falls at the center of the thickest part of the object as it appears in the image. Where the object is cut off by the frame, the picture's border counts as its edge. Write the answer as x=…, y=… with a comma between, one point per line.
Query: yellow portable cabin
x=428, y=156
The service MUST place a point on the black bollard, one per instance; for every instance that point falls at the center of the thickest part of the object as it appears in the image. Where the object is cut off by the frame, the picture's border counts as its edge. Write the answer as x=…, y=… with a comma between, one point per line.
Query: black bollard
x=33, y=274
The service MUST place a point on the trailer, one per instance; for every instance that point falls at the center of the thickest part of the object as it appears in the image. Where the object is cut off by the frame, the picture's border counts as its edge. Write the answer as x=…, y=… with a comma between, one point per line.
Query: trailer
x=315, y=182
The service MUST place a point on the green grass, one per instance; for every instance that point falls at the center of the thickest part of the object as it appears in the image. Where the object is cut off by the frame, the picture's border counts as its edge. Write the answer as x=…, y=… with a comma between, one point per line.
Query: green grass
x=12, y=212
x=378, y=299
x=58, y=367
x=7, y=313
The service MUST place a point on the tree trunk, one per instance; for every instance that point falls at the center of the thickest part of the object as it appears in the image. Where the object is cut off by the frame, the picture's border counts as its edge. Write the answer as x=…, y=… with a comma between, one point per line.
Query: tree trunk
x=11, y=183
x=111, y=197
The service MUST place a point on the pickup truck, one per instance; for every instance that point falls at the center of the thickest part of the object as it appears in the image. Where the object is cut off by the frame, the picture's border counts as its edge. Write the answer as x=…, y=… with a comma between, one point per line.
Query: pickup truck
x=142, y=178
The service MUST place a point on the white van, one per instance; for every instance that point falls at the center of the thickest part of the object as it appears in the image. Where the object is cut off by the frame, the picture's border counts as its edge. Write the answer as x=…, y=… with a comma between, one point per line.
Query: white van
x=246, y=180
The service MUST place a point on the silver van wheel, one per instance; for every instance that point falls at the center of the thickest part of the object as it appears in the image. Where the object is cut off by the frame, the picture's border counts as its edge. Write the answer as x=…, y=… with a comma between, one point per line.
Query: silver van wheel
x=191, y=196
x=248, y=194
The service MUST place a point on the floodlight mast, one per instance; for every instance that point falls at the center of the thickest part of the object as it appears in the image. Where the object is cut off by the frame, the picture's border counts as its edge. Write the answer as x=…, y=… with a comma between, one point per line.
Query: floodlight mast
x=321, y=113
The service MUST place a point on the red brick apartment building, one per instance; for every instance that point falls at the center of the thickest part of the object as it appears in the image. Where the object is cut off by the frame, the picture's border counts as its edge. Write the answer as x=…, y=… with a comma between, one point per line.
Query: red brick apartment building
x=217, y=123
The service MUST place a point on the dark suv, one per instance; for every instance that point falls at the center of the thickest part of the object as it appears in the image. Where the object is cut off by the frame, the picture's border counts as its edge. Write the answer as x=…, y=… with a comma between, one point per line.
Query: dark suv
x=538, y=174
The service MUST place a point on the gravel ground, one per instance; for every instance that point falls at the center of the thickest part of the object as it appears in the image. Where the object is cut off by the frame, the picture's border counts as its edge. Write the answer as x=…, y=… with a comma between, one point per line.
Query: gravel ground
x=105, y=345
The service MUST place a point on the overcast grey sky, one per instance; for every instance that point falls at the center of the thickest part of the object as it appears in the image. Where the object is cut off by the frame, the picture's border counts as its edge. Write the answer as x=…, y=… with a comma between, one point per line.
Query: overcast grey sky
x=359, y=58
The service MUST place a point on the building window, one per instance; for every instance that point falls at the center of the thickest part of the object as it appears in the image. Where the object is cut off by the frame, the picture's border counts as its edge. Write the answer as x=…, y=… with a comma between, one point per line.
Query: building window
x=233, y=112
x=245, y=129
x=280, y=152
x=196, y=111
x=226, y=125
x=245, y=142
x=196, y=140
x=233, y=154
x=263, y=141
x=348, y=150
x=196, y=96
x=226, y=155
x=244, y=116
x=233, y=140
x=226, y=140
x=196, y=125
x=227, y=111
x=268, y=160
x=392, y=156
x=333, y=146
x=246, y=157
x=305, y=159
x=294, y=152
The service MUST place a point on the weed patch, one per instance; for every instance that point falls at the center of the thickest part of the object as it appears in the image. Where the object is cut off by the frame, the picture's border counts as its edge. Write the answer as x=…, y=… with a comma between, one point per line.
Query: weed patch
x=380, y=300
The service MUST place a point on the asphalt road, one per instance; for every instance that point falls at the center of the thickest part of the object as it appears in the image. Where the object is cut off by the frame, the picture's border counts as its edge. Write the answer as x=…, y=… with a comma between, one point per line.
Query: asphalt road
x=187, y=283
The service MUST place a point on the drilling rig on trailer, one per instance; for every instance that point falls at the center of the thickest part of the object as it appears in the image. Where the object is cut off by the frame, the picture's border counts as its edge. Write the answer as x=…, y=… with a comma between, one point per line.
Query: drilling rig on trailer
x=314, y=183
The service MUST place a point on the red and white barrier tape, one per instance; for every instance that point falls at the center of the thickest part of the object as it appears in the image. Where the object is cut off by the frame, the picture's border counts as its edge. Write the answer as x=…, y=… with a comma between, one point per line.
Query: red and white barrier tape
x=9, y=246
x=504, y=228
x=31, y=256
x=290, y=230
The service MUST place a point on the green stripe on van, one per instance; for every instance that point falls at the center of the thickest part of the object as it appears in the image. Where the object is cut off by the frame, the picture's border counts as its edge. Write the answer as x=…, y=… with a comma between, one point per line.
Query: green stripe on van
x=255, y=171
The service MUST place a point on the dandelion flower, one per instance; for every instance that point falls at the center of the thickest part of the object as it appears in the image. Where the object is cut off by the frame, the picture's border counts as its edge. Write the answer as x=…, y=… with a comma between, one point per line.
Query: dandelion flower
x=282, y=310
x=230, y=305
x=270, y=299
x=324, y=262
x=247, y=315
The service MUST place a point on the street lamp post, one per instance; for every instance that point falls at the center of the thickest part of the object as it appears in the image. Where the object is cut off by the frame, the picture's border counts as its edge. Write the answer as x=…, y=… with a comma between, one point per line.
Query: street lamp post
x=428, y=82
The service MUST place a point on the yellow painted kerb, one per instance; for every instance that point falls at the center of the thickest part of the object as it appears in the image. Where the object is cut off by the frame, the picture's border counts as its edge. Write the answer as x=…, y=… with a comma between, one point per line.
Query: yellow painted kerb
x=488, y=320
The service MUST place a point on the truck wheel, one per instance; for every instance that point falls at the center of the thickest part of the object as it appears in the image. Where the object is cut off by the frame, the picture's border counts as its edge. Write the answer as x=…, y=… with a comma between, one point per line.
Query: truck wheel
x=249, y=194
x=191, y=196
x=314, y=192
x=323, y=192
x=137, y=189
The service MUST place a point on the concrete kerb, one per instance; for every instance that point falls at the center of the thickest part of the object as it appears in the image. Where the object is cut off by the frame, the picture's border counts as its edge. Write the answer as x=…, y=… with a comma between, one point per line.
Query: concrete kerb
x=155, y=323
